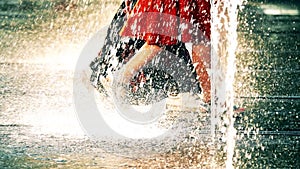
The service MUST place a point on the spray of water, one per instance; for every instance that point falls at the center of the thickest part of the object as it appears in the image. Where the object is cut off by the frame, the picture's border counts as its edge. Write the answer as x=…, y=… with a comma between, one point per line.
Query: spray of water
x=224, y=42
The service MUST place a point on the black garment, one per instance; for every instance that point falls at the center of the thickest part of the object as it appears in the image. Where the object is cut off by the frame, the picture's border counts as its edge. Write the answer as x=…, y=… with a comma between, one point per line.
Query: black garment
x=102, y=63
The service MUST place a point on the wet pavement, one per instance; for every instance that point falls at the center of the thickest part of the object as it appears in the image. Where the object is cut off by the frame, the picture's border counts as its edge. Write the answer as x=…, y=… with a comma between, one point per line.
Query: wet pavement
x=268, y=69
x=38, y=123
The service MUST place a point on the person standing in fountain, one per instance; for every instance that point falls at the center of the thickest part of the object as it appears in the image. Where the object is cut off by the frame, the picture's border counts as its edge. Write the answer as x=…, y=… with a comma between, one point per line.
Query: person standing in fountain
x=145, y=22
x=124, y=48
x=186, y=21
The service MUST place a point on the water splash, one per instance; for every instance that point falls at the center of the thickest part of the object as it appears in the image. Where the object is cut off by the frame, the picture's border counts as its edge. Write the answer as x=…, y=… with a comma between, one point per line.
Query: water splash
x=41, y=44
x=224, y=43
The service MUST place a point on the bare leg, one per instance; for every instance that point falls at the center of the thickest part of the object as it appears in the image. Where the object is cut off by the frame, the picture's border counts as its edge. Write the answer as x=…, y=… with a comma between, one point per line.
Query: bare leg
x=201, y=60
x=142, y=57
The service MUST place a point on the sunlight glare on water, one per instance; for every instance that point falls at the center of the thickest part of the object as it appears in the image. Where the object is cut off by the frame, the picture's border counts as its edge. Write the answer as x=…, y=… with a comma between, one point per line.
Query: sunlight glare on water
x=50, y=42
x=40, y=42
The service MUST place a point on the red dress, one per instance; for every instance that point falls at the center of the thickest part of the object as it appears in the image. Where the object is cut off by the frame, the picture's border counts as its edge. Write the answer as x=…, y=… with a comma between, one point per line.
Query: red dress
x=165, y=22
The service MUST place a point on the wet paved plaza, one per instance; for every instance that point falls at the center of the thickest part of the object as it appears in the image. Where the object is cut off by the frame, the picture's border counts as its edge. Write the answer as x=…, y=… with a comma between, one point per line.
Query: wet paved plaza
x=38, y=122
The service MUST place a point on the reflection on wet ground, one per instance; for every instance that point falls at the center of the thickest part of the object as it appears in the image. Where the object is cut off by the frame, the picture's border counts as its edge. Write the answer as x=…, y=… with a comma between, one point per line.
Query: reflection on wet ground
x=267, y=82
x=39, y=127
